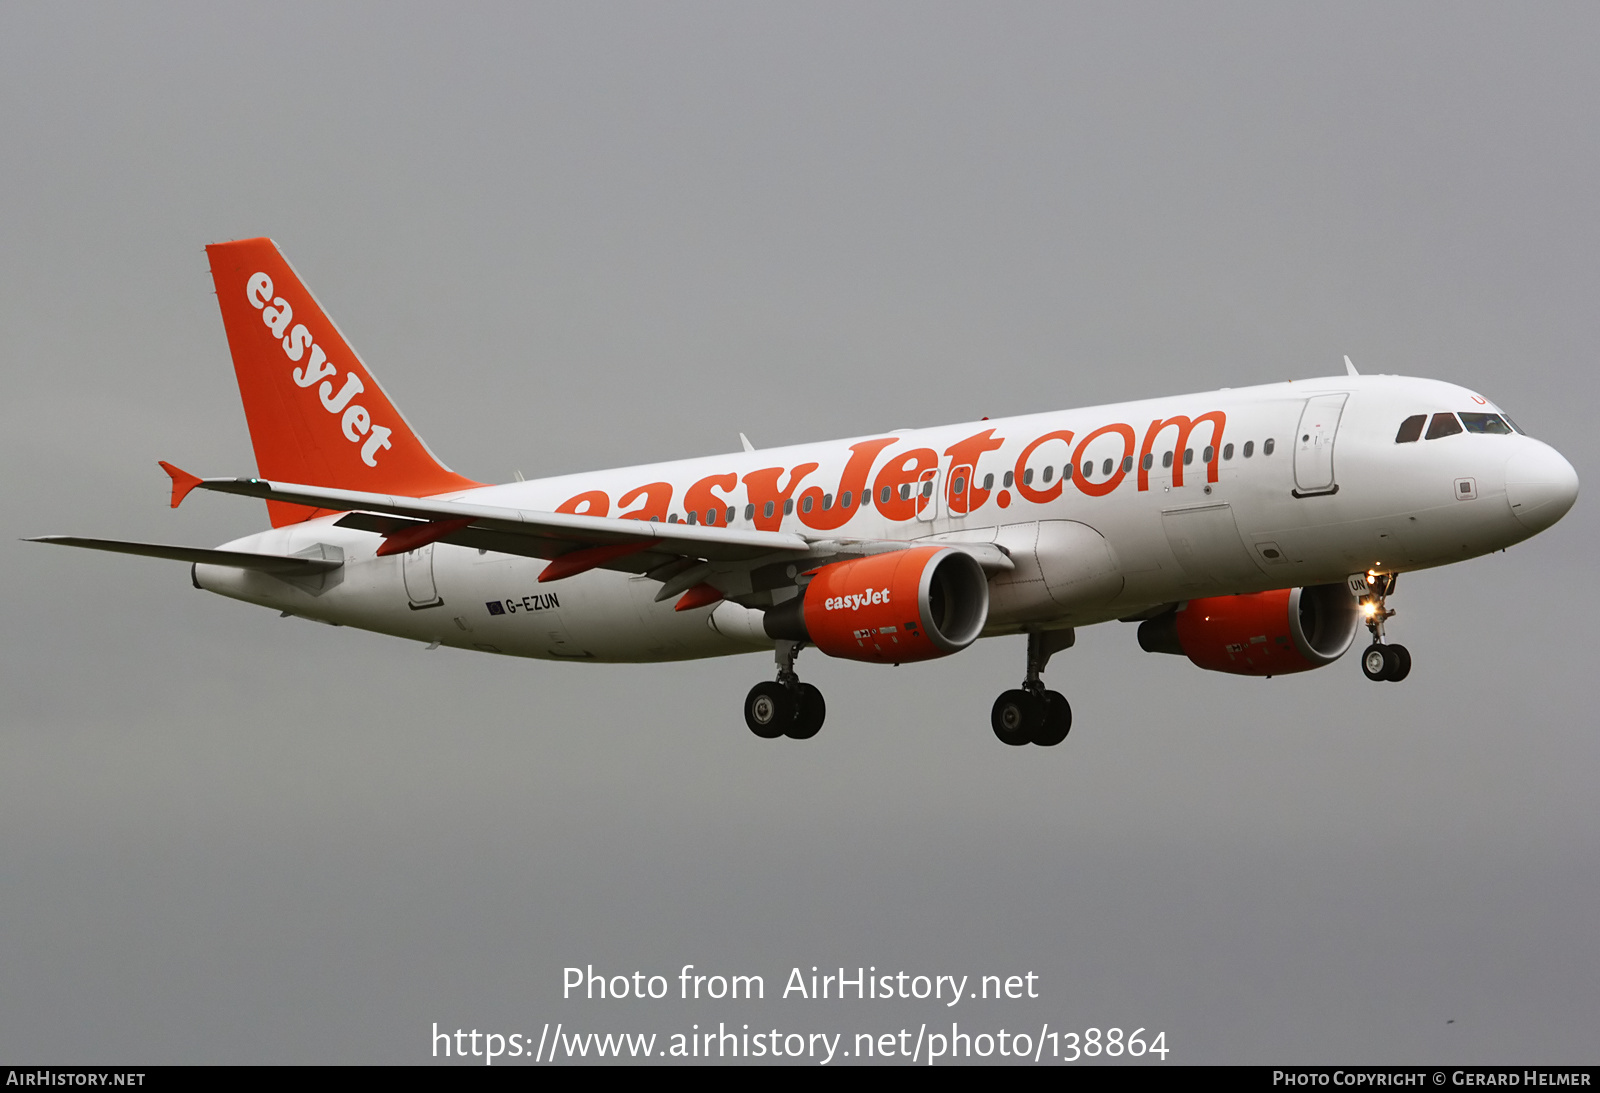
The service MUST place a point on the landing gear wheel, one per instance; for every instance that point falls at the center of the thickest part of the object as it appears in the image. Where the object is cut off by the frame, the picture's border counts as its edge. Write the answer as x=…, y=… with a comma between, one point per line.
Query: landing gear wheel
x=1016, y=717
x=1056, y=723
x=1375, y=663
x=810, y=710
x=769, y=710
x=1399, y=663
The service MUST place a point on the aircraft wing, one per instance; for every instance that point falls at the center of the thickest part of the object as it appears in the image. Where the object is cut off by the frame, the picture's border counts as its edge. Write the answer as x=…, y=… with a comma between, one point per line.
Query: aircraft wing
x=278, y=564
x=733, y=561
x=410, y=522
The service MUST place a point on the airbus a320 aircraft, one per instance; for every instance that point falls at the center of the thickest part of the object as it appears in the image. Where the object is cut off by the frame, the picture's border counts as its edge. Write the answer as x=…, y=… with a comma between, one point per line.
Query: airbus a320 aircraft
x=1254, y=531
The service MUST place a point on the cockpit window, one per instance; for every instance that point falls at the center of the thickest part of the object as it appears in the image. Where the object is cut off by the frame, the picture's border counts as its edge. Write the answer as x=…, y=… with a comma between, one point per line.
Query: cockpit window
x=1514, y=425
x=1485, y=423
x=1411, y=429
x=1443, y=425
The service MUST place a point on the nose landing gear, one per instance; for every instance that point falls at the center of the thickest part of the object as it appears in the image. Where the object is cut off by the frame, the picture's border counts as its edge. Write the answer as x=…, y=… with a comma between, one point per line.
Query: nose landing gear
x=1380, y=662
x=1032, y=714
x=785, y=707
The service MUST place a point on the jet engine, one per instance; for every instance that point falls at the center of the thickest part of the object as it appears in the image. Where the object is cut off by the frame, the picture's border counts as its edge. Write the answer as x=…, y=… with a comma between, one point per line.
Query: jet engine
x=894, y=608
x=1261, y=634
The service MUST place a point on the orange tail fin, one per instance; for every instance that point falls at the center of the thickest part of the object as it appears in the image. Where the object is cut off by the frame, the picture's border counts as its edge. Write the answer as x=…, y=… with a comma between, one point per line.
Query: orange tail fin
x=316, y=414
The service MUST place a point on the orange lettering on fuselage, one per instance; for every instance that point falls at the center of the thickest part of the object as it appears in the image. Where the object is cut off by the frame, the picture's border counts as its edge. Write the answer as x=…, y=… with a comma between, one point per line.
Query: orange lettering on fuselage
x=903, y=470
x=852, y=481
x=588, y=503
x=1024, y=487
x=762, y=489
x=1100, y=489
x=706, y=506
x=965, y=454
x=657, y=496
x=907, y=469
x=1185, y=426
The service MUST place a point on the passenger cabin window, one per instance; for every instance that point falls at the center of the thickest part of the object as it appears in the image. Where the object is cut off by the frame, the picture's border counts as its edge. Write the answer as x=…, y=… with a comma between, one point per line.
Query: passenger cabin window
x=1127, y=464
x=1105, y=468
x=1049, y=473
x=1088, y=468
x=1227, y=451
x=1166, y=459
x=1007, y=480
x=1027, y=477
x=1411, y=429
x=1485, y=423
x=1443, y=425
x=1267, y=445
x=845, y=498
x=1066, y=472
x=988, y=482
x=749, y=512
x=1249, y=448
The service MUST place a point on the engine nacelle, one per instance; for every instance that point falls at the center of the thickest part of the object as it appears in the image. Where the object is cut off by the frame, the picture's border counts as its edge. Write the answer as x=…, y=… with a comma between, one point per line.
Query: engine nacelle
x=892, y=608
x=1261, y=634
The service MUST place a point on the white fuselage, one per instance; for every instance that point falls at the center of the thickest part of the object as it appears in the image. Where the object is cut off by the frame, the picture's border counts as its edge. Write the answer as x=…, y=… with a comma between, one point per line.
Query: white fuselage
x=1324, y=492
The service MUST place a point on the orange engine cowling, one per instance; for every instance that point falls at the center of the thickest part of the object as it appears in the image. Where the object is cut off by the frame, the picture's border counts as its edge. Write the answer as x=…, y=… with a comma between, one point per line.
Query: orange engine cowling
x=1261, y=634
x=893, y=608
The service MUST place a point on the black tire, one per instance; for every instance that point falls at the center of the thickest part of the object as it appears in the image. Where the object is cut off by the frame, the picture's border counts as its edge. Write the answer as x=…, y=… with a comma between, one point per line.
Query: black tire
x=1016, y=717
x=810, y=711
x=1375, y=663
x=1057, y=720
x=769, y=710
x=1400, y=665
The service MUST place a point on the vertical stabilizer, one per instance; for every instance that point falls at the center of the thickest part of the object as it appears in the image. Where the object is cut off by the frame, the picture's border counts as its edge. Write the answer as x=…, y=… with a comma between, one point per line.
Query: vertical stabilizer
x=317, y=416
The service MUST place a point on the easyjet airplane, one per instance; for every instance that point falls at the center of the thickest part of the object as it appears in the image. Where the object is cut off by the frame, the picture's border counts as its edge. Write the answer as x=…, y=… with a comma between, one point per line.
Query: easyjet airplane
x=1254, y=531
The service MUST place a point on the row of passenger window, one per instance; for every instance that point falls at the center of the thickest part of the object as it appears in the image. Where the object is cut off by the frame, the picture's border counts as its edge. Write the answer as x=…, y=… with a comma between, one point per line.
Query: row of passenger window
x=958, y=487
x=1447, y=425
x=1106, y=467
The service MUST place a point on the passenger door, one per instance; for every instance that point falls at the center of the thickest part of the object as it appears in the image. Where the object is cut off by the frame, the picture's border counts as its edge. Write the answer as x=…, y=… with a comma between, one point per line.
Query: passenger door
x=1313, y=445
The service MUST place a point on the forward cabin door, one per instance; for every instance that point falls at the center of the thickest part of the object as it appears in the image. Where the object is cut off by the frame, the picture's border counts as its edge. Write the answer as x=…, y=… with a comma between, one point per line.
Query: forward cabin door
x=1313, y=445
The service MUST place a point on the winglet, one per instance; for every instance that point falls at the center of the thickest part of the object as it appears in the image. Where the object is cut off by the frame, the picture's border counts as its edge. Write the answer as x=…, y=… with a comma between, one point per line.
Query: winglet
x=182, y=482
x=1349, y=368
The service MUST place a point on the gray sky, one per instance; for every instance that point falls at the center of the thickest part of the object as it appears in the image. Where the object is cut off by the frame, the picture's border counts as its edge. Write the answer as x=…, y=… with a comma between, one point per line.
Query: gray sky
x=573, y=236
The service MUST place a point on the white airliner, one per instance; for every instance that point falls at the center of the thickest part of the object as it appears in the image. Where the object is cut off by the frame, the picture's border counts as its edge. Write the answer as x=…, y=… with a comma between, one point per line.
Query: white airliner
x=1253, y=530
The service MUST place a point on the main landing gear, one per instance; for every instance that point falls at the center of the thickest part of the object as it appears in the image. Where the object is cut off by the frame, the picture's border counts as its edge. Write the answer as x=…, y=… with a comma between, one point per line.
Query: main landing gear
x=785, y=707
x=1380, y=662
x=1031, y=714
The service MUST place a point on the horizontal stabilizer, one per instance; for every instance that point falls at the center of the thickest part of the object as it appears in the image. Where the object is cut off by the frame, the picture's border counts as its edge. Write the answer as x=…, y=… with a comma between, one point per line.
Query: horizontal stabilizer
x=238, y=559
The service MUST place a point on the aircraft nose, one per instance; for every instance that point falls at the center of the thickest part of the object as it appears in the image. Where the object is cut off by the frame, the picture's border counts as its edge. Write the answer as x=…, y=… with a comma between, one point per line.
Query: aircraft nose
x=1540, y=485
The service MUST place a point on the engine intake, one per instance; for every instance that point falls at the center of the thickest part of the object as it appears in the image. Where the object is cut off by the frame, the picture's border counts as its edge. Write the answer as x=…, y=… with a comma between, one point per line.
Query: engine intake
x=1260, y=634
x=894, y=608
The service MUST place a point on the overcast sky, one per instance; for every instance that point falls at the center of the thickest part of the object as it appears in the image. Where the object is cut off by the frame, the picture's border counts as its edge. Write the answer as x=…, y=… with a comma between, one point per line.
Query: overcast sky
x=580, y=235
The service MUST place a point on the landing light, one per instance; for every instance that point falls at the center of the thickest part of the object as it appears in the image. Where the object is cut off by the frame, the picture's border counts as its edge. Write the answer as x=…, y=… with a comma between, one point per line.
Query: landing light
x=1369, y=609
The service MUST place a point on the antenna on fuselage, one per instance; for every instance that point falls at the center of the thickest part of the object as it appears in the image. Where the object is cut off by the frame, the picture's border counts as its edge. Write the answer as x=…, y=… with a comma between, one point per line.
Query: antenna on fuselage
x=1350, y=369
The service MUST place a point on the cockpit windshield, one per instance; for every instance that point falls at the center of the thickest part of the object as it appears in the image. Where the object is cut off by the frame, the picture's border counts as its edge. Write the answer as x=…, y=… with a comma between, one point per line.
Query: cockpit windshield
x=1485, y=423
x=1443, y=425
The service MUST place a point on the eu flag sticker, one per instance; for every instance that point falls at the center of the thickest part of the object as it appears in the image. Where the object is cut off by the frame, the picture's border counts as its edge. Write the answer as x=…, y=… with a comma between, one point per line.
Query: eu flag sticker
x=496, y=607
